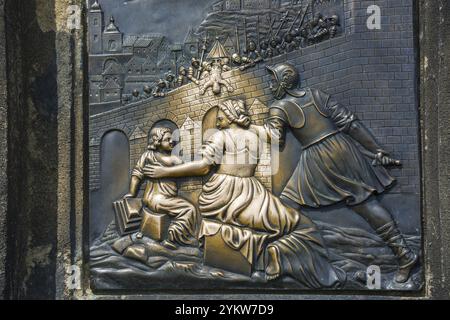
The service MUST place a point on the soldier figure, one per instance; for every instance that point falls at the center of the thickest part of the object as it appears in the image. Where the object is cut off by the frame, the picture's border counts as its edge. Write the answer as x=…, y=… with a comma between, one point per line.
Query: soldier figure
x=290, y=44
x=170, y=79
x=318, y=28
x=263, y=46
x=181, y=76
x=332, y=169
x=242, y=61
x=224, y=62
x=252, y=52
x=136, y=95
x=275, y=45
x=333, y=24
x=148, y=91
x=304, y=38
x=160, y=89
x=194, y=70
x=126, y=99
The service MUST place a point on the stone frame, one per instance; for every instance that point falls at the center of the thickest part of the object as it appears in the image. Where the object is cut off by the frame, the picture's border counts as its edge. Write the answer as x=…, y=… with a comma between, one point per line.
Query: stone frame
x=67, y=227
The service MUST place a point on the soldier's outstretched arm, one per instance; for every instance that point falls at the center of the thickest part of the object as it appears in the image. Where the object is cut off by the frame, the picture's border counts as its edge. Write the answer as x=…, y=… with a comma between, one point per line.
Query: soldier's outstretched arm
x=349, y=123
x=379, y=156
x=358, y=131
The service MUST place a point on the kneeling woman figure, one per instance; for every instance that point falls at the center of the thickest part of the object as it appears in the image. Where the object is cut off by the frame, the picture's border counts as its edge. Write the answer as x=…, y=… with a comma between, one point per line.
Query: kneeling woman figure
x=234, y=196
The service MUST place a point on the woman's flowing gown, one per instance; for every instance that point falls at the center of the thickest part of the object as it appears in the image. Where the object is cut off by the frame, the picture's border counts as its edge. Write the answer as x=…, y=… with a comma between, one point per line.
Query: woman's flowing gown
x=244, y=202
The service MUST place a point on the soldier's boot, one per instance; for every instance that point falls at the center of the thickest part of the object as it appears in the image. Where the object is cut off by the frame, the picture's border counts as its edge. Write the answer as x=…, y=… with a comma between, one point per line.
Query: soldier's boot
x=407, y=259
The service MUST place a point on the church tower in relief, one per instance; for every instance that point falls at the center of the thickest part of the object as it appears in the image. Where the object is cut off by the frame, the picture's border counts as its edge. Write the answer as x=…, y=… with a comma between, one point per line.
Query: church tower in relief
x=95, y=28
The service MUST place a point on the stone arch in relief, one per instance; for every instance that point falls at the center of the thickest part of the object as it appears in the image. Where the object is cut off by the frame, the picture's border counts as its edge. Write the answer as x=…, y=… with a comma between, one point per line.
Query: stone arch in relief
x=114, y=180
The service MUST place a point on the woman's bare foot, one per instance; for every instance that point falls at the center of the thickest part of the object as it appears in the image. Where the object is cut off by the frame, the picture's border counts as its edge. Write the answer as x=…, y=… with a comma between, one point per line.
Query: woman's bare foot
x=273, y=269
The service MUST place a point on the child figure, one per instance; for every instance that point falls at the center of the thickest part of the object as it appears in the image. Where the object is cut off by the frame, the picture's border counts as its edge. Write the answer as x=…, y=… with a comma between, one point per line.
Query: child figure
x=161, y=195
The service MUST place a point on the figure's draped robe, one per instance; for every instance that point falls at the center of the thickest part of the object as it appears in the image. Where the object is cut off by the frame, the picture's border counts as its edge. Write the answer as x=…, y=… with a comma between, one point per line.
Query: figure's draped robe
x=161, y=196
x=246, y=203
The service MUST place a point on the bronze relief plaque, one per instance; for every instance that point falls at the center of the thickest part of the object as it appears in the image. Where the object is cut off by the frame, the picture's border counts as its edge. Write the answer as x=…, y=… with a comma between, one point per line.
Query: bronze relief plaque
x=253, y=144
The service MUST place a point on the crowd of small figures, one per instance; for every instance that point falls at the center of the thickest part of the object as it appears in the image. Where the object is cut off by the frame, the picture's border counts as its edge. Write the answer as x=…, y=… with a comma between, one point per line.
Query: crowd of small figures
x=319, y=28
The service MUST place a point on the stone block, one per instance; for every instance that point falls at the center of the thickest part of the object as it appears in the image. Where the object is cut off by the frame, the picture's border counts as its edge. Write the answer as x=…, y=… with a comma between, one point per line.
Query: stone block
x=219, y=254
x=154, y=225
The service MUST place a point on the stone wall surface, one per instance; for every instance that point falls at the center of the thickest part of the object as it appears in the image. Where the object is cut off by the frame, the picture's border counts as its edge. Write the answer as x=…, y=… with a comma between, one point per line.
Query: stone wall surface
x=434, y=42
x=32, y=148
x=35, y=37
x=3, y=149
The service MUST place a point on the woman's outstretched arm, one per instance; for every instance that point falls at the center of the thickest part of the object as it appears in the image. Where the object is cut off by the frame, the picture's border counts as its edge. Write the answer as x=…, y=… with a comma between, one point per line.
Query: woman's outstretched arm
x=191, y=169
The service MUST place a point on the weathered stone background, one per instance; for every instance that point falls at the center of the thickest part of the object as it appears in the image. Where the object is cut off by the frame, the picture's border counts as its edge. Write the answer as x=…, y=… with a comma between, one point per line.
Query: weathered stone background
x=43, y=89
x=43, y=60
x=434, y=43
x=3, y=149
x=32, y=156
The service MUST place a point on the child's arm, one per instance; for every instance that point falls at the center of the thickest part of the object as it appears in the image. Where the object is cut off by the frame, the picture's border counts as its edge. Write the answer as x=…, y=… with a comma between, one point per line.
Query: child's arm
x=134, y=187
x=136, y=177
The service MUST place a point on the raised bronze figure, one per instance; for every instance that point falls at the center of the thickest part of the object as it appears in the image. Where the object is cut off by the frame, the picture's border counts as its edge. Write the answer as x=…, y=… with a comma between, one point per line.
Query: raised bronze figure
x=233, y=202
x=217, y=62
x=268, y=218
x=160, y=89
x=331, y=168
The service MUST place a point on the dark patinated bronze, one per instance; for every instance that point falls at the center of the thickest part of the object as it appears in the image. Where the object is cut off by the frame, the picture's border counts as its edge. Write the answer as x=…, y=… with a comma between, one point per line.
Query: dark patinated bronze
x=331, y=167
x=211, y=166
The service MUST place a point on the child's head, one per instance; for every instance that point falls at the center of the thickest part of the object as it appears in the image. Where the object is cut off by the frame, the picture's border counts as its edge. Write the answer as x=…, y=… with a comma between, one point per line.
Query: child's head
x=161, y=139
